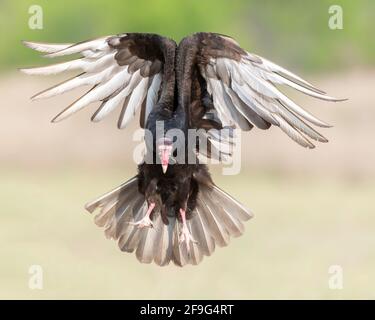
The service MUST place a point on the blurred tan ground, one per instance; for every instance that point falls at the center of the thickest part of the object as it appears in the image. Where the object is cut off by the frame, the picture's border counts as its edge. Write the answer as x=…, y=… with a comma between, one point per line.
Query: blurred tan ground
x=314, y=208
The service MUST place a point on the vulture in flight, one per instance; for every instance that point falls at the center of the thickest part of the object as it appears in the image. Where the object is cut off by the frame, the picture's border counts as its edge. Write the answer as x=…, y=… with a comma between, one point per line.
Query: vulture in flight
x=172, y=210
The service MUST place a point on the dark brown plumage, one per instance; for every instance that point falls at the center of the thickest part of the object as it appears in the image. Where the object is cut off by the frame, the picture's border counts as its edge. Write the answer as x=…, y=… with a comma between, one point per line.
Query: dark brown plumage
x=171, y=210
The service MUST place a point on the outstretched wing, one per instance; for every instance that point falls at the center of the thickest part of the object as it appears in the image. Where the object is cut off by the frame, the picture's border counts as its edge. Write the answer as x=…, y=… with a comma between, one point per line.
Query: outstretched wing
x=244, y=92
x=123, y=70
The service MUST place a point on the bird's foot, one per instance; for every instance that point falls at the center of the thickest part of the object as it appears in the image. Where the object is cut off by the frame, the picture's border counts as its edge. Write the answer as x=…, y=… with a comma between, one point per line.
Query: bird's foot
x=145, y=221
x=185, y=235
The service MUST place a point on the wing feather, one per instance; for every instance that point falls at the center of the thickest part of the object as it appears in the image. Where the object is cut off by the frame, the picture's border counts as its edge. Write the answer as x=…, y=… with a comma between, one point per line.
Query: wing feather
x=152, y=95
x=135, y=101
x=118, y=68
x=243, y=87
x=46, y=47
x=99, y=93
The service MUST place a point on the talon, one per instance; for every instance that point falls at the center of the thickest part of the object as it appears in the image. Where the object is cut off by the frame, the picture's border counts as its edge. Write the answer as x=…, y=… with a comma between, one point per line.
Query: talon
x=145, y=221
x=185, y=236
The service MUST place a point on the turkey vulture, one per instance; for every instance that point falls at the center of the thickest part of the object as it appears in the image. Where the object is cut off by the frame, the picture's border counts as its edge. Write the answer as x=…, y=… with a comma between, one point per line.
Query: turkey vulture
x=171, y=210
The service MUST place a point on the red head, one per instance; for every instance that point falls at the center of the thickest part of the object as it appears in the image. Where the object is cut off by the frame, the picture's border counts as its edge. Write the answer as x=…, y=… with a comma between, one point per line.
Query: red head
x=164, y=149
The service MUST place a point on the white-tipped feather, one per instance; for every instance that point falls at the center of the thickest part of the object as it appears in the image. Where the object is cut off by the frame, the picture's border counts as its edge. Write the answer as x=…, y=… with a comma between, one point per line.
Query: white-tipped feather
x=113, y=102
x=245, y=110
x=219, y=103
x=245, y=95
x=110, y=105
x=117, y=99
x=55, y=68
x=252, y=80
x=84, y=64
x=273, y=67
x=263, y=87
x=82, y=80
x=299, y=124
x=46, y=47
x=235, y=113
x=111, y=83
x=97, y=45
x=278, y=79
x=97, y=94
x=293, y=133
x=249, y=87
x=135, y=101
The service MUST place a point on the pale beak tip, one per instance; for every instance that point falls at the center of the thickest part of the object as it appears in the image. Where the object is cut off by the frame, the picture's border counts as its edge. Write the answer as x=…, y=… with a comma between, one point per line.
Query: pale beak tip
x=164, y=167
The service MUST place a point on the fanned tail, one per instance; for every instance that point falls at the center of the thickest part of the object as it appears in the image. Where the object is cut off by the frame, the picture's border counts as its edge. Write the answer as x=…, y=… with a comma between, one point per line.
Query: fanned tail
x=216, y=218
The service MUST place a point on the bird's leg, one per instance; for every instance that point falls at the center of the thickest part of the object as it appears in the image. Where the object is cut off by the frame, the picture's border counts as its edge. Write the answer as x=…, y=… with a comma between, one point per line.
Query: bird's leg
x=145, y=221
x=185, y=235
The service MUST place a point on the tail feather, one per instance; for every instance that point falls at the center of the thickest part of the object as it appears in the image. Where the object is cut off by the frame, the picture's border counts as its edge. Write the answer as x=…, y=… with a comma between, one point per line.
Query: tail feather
x=217, y=217
x=148, y=239
x=163, y=251
x=145, y=246
x=214, y=226
x=111, y=219
x=113, y=194
x=231, y=224
x=202, y=234
x=233, y=206
x=195, y=248
x=107, y=211
x=180, y=255
x=124, y=216
x=131, y=234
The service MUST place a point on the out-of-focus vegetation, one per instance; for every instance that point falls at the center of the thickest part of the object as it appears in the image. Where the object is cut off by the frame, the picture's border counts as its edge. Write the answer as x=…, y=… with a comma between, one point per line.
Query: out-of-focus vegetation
x=302, y=226
x=294, y=32
x=313, y=208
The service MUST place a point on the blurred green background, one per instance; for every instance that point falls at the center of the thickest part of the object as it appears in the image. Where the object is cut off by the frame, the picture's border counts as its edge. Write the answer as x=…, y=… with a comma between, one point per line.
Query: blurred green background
x=313, y=208
x=299, y=27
